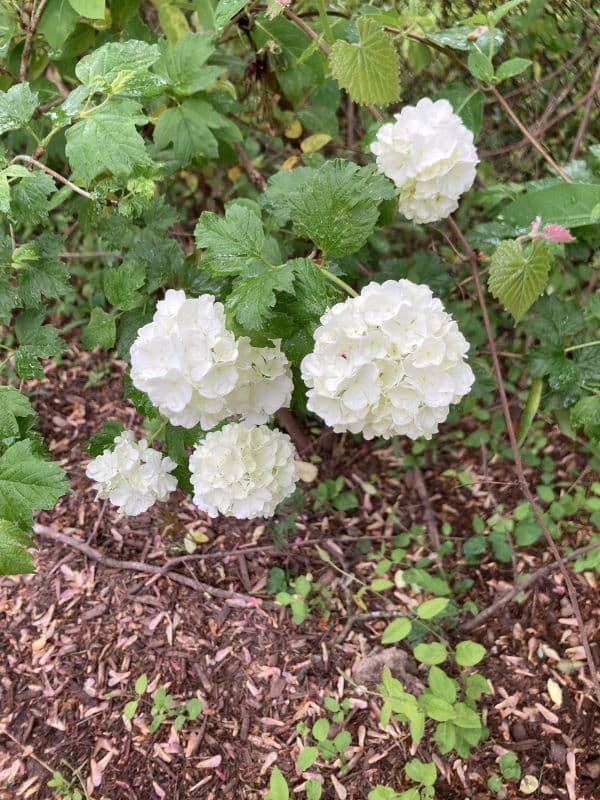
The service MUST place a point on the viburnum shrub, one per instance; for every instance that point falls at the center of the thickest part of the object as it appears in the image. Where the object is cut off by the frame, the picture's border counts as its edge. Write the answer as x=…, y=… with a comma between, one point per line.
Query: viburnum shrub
x=250, y=205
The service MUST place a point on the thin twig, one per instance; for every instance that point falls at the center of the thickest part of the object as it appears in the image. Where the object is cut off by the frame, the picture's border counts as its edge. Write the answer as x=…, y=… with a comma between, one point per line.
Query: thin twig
x=149, y=569
x=498, y=604
x=33, y=23
x=254, y=176
x=583, y=125
x=519, y=469
x=56, y=175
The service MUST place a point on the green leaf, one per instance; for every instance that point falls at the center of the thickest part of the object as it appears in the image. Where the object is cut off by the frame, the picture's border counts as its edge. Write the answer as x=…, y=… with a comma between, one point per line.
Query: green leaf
x=57, y=22
x=568, y=204
x=16, y=107
x=441, y=685
x=278, y=788
x=445, y=737
x=141, y=684
x=313, y=787
x=101, y=331
x=512, y=67
x=43, y=274
x=14, y=558
x=586, y=414
x=183, y=65
x=518, y=275
x=431, y=608
x=469, y=653
x=226, y=10
x=252, y=299
x=510, y=767
x=307, y=758
x=320, y=729
x=121, y=283
x=194, y=708
x=466, y=717
x=280, y=187
x=337, y=207
x=500, y=12
x=92, y=9
x=13, y=406
x=28, y=483
x=232, y=244
x=29, y=198
x=421, y=772
x=397, y=630
x=42, y=341
x=129, y=709
x=122, y=68
x=107, y=142
x=188, y=128
x=104, y=438
x=459, y=38
x=434, y=653
x=368, y=69
x=436, y=708
x=480, y=66
x=466, y=102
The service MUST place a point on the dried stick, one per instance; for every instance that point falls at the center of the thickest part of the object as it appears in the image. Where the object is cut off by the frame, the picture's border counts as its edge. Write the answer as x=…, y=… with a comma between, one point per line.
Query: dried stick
x=149, y=569
x=33, y=23
x=56, y=175
x=498, y=604
x=583, y=125
x=519, y=469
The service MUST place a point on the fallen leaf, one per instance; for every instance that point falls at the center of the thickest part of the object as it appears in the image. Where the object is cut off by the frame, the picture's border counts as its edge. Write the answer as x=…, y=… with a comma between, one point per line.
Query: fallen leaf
x=555, y=692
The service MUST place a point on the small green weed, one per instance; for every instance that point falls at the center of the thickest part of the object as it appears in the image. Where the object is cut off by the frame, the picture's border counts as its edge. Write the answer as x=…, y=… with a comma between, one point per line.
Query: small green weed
x=164, y=708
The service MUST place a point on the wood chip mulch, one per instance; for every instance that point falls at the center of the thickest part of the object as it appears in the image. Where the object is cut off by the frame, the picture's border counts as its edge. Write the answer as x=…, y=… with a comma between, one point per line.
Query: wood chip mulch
x=75, y=636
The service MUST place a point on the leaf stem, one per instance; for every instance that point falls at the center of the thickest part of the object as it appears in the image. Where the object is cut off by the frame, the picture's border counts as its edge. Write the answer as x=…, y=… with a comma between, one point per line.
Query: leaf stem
x=330, y=38
x=570, y=349
x=338, y=282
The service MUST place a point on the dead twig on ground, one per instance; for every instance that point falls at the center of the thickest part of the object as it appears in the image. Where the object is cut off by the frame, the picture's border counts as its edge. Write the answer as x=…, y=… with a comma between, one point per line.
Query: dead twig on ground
x=519, y=469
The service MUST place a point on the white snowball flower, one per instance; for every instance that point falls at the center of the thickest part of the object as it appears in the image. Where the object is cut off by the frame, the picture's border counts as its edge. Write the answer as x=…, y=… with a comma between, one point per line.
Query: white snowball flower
x=185, y=360
x=430, y=155
x=386, y=363
x=243, y=472
x=132, y=475
x=264, y=382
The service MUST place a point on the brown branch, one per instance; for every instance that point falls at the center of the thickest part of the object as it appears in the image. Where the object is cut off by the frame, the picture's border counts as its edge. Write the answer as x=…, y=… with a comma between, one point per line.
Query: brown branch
x=519, y=469
x=148, y=569
x=254, y=176
x=295, y=430
x=33, y=23
x=56, y=175
x=498, y=604
x=583, y=125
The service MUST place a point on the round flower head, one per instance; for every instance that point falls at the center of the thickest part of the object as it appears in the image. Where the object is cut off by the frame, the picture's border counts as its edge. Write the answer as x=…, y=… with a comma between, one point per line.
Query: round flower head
x=387, y=363
x=429, y=154
x=132, y=475
x=243, y=472
x=264, y=383
x=185, y=360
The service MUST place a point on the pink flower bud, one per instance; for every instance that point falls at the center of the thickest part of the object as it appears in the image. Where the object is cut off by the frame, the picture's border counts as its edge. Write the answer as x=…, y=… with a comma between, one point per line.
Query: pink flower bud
x=556, y=233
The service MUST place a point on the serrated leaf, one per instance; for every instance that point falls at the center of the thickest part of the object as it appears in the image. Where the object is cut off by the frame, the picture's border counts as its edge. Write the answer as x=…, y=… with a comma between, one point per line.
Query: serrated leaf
x=252, y=299
x=16, y=107
x=368, y=70
x=337, y=207
x=122, y=68
x=14, y=558
x=92, y=9
x=421, y=772
x=280, y=187
x=43, y=274
x=28, y=483
x=512, y=67
x=188, y=127
x=29, y=198
x=480, y=66
x=13, y=406
x=100, y=441
x=120, y=285
x=183, y=65
x=436, y=708
x=397, y=630
x=518, y=276
x=101, y=330
x=232, y=244
x=586, y=414
x=469, y=653
x=441, y=685
x=107, y=141
x=43, y=341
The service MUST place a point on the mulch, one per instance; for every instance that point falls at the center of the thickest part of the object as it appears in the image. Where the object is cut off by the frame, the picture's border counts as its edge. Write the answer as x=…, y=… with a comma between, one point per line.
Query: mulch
x=75, y=636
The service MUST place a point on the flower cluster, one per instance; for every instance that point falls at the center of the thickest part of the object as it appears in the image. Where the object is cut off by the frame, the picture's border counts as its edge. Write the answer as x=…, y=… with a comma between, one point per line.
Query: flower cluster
x=132, y=475
x=388, y=362
x=429, y=154
x=193, y=369
x=243, y=472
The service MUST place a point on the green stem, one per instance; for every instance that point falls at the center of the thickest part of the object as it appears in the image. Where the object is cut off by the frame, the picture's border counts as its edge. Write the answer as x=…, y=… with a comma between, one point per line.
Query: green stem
x=328, y=33
x=338, y=282
x=595, y=343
